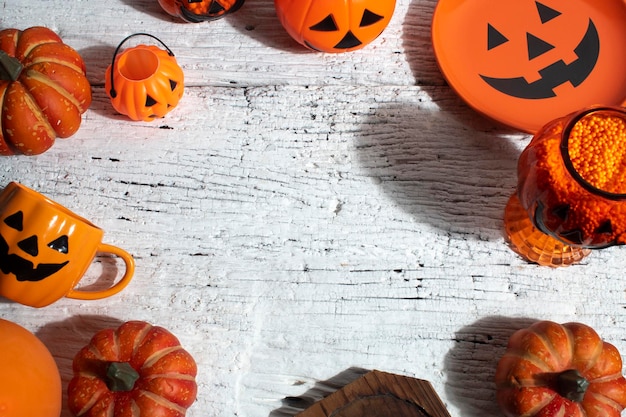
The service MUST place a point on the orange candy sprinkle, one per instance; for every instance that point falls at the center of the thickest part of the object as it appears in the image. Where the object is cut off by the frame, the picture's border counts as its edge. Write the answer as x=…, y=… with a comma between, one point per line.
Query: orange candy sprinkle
x=597, y=150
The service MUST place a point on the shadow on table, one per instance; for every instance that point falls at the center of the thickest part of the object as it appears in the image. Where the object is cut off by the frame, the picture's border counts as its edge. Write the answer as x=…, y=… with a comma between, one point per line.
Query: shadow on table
x=64, y=339
x=294, y=405
x=97, y=58
x=152, y=8
x=471, y=364
x=440, y=172
x=257, y=19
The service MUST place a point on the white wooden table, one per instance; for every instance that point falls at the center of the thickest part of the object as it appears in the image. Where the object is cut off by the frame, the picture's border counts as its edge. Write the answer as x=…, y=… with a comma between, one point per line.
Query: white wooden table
x=299, y=214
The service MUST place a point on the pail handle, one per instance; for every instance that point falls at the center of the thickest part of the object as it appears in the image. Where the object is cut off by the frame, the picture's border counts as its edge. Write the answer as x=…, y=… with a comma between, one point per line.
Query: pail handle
x=112, y=91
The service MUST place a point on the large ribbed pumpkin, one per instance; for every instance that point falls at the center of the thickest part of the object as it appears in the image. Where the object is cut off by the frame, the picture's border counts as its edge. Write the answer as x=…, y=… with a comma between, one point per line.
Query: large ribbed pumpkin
x=144, y=82
x=136, y=370
x=554, y=370
x=43, y=90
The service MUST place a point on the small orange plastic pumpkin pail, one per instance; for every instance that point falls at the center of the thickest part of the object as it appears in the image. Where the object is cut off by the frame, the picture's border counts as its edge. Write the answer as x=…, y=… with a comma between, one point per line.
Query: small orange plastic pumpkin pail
x=144, y=82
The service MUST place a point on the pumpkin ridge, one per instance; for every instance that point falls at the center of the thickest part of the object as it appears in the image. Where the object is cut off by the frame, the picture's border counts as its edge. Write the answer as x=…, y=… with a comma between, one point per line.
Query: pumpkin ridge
x=27, y=48
x=533, y=359
x=606, y=378
x=30, y=48
x=571, y=344
x=96, y=352
x=599, y=347
x=95, y=396
x=158, y=355
x=6, y=147
x=36, y=75
x=163, y=402
x=14, y=39
x=171, y=375
x=139, y=338
x=606, y=400
x=52, y=60
x=540, y=406
x=305, y=15
x=30, y=101
x=562, y=363
x=596, y=356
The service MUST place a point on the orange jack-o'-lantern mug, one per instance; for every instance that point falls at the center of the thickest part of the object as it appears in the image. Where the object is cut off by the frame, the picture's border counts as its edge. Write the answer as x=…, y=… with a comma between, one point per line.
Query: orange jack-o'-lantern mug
x=45, y=250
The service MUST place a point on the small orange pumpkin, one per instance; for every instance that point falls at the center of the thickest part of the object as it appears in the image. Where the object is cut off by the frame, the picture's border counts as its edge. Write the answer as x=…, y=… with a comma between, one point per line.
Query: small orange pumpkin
x=552, y=370
x=30, y=383
x=136, y=370
x=43, y=90
x=144, y=82
x=195, y=11
x=334, y=26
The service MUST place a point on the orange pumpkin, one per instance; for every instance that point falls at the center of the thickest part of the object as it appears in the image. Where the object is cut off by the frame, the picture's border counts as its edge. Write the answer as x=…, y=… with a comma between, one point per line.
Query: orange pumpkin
x=30, y=384
x=560, y=370
x=144, y=82
x=136, y=370
x=43, y=90
x=334, y=26
x=195, y=11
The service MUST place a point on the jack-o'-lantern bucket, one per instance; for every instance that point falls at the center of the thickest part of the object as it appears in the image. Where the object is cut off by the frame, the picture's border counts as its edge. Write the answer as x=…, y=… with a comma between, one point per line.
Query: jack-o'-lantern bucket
x=144, y=82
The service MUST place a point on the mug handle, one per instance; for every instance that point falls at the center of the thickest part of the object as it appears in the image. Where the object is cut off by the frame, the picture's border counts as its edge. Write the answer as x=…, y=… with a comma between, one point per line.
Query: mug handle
x=119, y=286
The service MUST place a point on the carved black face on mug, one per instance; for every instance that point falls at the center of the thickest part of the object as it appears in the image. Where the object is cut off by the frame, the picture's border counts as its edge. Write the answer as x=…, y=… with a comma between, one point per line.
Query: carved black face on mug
x=31, y=259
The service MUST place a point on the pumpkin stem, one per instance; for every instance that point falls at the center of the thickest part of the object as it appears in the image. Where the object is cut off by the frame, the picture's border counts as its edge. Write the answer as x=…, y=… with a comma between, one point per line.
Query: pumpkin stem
x=572, y=385
x=10, y=68
x=121, y=376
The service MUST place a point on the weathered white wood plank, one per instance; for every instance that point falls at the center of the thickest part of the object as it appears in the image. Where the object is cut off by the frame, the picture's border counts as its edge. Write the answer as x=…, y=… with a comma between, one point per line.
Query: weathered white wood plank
x=300, y=214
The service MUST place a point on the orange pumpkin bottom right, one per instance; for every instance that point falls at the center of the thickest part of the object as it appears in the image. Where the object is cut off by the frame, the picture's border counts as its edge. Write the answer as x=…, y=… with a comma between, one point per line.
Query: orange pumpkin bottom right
x=551, y=369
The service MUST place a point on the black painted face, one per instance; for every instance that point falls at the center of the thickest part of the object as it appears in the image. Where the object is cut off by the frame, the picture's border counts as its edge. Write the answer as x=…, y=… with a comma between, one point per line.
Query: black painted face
x=22, y=268
x=554, y=75
x=557, y=216
x=350, y=40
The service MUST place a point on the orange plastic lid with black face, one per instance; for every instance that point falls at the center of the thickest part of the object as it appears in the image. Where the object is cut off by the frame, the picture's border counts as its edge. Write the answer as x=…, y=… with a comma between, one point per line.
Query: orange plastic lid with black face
x=524, y=63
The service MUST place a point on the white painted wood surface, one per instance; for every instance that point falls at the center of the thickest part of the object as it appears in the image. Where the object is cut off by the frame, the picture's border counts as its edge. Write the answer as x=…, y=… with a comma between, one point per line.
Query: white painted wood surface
x=299, y=214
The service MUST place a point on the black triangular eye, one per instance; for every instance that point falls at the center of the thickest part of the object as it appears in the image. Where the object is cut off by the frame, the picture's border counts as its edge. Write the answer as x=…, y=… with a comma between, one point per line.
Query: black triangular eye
x=326, y=25
x=60, y=244
x=537, y=46
x=348, y=41
x=173, y=85
x=15, y=221
x=150, y=101
x=29, y=245
x=546, y=13
x=369, y=18
x=561, y=211
x=605, y=227
x=494, y=37
x=216, y=8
